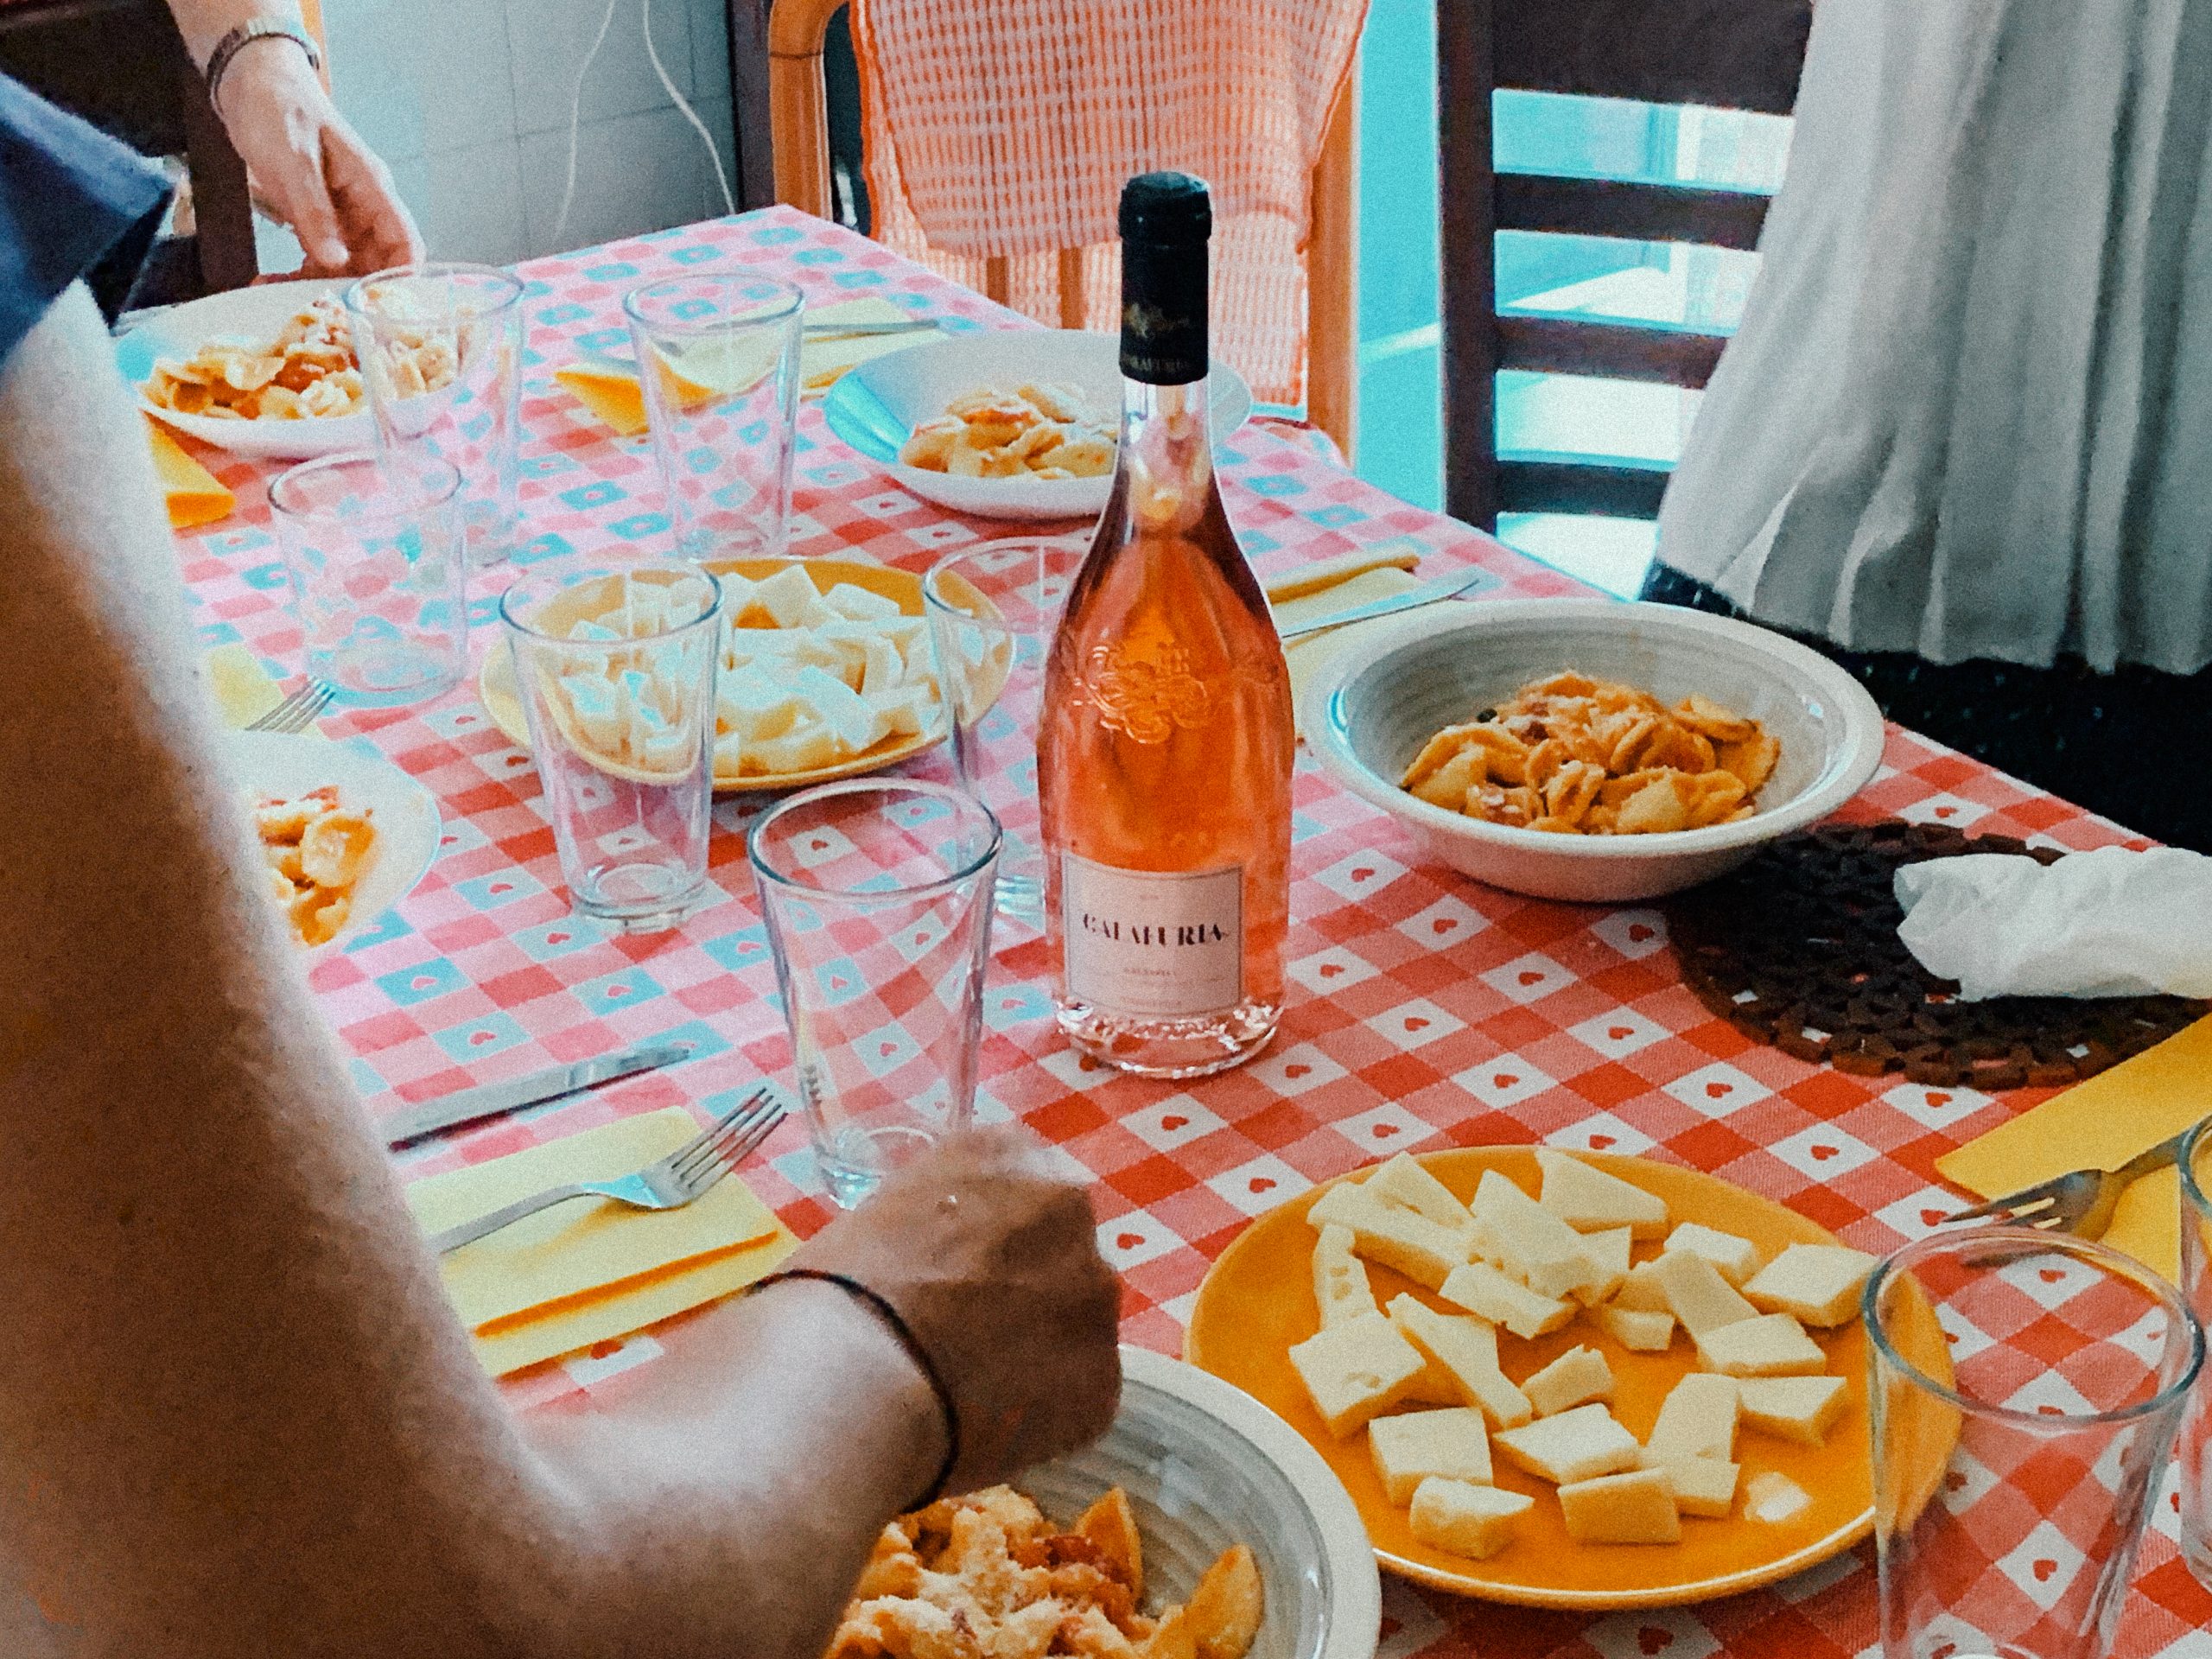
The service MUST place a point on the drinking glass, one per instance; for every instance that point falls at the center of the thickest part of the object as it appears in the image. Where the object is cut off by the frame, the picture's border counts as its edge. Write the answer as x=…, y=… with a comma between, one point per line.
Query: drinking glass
x=718, y=356
x=616, y=668
x=2196, y=1449
x=994, y=610
x=379, y=578
x=2024, y=1390
x=877, y=895
x=441, y=353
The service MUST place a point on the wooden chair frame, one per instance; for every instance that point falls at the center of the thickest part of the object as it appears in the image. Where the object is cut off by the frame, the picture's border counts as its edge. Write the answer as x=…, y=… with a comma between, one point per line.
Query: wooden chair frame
x=799, y=118
x=1742, y=54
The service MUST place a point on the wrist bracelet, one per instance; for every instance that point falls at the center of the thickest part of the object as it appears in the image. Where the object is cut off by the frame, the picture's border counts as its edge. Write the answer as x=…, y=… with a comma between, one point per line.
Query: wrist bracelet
x=878, y=1305
x=219, y=60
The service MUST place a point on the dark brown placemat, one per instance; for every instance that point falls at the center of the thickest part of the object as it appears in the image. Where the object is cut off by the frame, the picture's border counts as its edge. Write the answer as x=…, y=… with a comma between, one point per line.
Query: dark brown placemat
x=1799, y=949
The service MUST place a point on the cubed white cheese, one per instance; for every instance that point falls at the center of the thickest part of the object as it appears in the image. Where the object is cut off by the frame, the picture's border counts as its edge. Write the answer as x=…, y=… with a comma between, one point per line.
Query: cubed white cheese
x=585, y=628
x=850, y=640
x=1415, y=1245
x=1643, y=1290
x=1638, y=1332
x=738, y=594
x=1774, y=1498
x=1636, y=1508
x=1526, y=1241
x=1773, y=1345
x=1736, y=1258
x=1468, y=1521
x=1577, y=1444
x=849, y=717
x=1592, y=1200
x=1697, y=1419
x=1462, y=1352
x=1340, y=1284
x=1817, y=1283
x=1356, y=1371
x=1403, y=1183
x=1698, y=1295
x=1575, y=1378
x=790, y=597
x=1608, y=1253
x=857, y=604
x=596, y=709
x=1417, y=1446
x=1802, y=1409
x=1480, y=1288
x=756, y=704
x=909, y=711
x=807, y=744
x=1703, y=1486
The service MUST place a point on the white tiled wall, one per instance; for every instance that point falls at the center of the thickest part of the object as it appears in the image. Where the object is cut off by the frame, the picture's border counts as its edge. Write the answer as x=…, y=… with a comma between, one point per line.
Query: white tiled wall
x=469, y=102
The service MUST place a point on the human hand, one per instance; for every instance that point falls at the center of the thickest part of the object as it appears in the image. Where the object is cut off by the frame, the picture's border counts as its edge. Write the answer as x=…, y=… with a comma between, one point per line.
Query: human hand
x=993, y=1261
x=311, y=167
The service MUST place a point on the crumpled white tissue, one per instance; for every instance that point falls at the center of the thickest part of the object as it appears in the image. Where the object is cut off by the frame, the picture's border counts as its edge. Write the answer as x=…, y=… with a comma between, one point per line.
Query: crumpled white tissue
x=2107, y=922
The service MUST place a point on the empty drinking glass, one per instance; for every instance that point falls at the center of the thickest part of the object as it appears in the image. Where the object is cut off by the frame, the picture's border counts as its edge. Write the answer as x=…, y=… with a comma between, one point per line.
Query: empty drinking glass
x=718, y=356
x=994, y=610
x=877, y=895
x=2195, y=1448
x=616, y=668
x=2024, y=1391
x=380, y=580
x=441, y=353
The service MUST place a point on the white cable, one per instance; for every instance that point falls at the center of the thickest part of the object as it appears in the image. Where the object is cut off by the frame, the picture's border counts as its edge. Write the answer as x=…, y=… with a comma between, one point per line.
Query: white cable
x=714, y=155
x=576, y=118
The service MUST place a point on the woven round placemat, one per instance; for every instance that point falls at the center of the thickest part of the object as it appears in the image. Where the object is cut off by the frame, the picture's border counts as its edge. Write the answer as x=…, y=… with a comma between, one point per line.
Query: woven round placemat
x=1799, y=949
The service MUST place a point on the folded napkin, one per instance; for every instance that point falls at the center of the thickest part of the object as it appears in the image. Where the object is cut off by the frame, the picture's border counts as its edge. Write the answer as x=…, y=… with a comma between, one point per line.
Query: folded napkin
x=1337, y=584
x=611, y=391
x=590, y=1270
x=192, y=495
x=2100, y=1124
x=2110, y=923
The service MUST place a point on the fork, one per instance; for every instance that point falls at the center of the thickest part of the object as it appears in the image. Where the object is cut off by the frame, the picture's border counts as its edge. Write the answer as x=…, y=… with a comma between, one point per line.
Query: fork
x=686, y=1174
x=2081, y=1201
x=298, y=712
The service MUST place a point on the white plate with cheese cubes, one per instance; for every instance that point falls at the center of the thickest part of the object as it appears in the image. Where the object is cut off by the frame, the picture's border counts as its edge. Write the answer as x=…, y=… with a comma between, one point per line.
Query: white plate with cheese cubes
x=826, y=673
x=1507, y=1383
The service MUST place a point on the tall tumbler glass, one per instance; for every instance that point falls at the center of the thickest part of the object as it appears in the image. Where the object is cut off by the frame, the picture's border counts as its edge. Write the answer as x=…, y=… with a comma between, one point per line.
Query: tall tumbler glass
x=616, y=668
x=2024, y=1390
x=440, y=352
x=379, y=579
x=993, y=609
x=877, y=894
x=2196, y=1449
x=718, y=355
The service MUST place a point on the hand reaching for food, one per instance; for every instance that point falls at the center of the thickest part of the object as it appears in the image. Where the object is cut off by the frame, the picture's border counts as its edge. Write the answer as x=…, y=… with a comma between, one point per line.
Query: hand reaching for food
x=991, y=1258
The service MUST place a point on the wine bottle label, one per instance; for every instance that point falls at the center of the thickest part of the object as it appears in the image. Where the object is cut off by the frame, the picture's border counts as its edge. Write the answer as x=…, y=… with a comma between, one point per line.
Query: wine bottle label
x=1164, y=944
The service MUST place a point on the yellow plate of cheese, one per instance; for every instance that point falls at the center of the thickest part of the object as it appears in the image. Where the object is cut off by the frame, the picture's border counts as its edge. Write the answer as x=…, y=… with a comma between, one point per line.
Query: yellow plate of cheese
x=1794, y=1503
x=501, y=698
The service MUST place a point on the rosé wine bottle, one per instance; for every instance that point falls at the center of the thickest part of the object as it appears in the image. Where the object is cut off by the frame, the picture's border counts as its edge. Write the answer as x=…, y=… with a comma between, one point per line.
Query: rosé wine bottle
x=1164, y=749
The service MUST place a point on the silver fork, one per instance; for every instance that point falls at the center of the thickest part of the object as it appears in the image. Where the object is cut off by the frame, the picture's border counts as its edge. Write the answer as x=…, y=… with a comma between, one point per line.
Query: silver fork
x=298, y=712
x=2079, y=1201
x=686, y=1174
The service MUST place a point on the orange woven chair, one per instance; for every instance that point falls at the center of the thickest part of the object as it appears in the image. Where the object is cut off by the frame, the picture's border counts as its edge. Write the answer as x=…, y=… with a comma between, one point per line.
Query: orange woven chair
x=1286, y=286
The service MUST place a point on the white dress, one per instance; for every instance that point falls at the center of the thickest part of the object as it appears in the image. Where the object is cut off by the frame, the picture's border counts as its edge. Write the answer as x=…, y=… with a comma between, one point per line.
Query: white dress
x=1969, y=411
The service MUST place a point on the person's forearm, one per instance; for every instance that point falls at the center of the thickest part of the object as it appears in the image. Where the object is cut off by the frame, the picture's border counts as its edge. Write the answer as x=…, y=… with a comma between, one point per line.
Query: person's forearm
x=204, y=22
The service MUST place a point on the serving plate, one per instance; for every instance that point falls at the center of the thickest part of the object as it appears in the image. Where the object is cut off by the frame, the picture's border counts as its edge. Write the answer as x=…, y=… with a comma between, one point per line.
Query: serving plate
x=253, y=316
x=873, y=409
x=1258, y=1300
x=497, y=690
x=403, y=812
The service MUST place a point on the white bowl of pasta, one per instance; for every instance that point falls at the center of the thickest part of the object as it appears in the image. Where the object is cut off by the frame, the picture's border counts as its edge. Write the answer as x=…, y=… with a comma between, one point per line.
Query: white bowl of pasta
x=1633, y=694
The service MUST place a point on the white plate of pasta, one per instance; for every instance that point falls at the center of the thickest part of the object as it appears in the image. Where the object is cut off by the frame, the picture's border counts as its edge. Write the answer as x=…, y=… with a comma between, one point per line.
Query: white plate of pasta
x=267, y=372
x=345, y=834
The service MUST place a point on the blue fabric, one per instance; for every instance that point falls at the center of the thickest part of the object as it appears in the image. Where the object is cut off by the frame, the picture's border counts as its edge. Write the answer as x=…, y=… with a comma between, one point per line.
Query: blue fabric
x=73, y=203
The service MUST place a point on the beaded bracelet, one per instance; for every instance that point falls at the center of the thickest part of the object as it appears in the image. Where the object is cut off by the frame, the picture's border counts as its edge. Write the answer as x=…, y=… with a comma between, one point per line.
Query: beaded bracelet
x=878, y=1305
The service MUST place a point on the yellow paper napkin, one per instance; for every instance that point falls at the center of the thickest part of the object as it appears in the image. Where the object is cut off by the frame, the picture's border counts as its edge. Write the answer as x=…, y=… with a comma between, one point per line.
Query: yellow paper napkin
x=1337, y=584
x=589, y=1271
x=2100, y=1124
x=613, y=394
x=192, y=495
x=243, y=690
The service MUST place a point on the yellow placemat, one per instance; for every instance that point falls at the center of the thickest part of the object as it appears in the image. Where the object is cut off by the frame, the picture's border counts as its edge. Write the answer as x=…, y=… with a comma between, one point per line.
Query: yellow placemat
x=613, y=394
x=192, y=495
x=1335, y=584
x=588, y=1271
x=2100, y=1124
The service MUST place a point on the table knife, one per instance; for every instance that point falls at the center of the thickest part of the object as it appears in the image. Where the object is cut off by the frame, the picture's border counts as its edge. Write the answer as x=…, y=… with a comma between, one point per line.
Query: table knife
x=493, y=1099
x=1428, y=593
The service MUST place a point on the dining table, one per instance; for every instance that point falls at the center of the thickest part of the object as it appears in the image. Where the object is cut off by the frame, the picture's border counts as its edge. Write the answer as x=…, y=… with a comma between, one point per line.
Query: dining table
x=1426, y=1010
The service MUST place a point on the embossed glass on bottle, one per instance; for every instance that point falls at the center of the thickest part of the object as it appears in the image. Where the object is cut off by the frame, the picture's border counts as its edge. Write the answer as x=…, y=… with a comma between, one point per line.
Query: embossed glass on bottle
x=1165, y=745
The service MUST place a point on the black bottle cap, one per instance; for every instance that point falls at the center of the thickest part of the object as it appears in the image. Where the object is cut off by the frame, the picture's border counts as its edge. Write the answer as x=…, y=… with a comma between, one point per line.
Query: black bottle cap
x=1170, y=209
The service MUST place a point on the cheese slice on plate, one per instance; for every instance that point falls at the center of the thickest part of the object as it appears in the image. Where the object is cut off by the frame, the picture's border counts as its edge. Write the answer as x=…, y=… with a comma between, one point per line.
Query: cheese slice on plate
x=1773, y=1345
x=1736, y=1258
x=1634, y=1508
x=1703, y=1486
x=1404, y=1183
x=1817, y=1283
x=1698, y=1419
x=1638, y=1332
x=1482, y=1289
x=1340, y=1279
x=1466, y=1520
x=1575, y=1378
x=1464, y=1351
x=1698, y=1295
x=1802, y=1409
x=1527, y=1241
x=1609, y=1252
x=1417, y=1446
x=1415, y=1245
x=1356, y=1370
x=1591, y=1200
x=1577, y=1444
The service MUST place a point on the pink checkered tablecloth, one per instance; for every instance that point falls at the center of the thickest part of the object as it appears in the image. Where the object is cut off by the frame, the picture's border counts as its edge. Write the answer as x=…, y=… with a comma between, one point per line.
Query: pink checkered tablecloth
x=1426, y=1011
